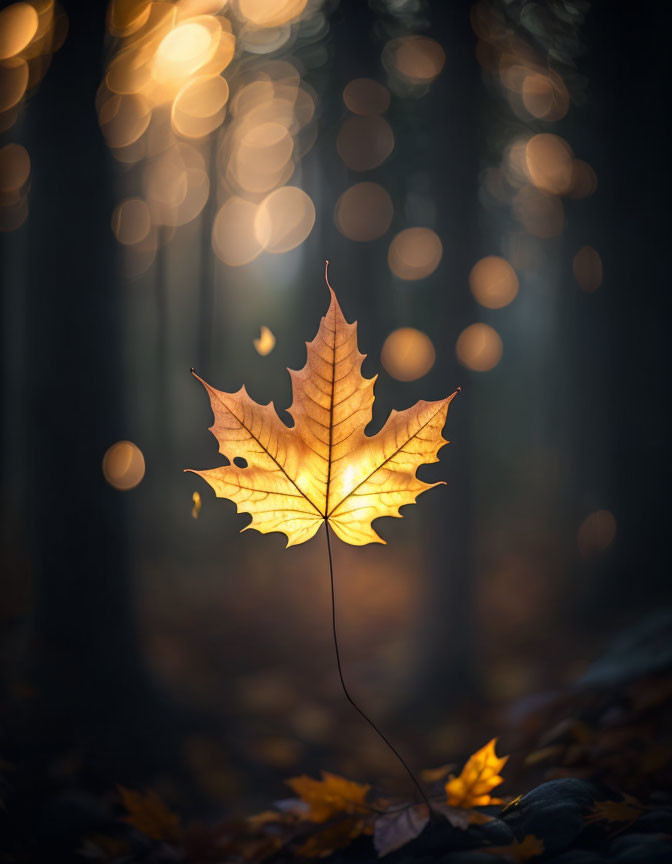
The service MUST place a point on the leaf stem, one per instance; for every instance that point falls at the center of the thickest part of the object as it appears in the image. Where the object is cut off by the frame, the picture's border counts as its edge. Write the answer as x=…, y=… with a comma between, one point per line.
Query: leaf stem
x=345, y=689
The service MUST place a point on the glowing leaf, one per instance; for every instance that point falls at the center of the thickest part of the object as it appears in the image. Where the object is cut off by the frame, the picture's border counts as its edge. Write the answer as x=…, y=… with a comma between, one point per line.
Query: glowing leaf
x=518, y=851
x=330, y=796
x=147, y=812
x=324, y=468
x=478, y=778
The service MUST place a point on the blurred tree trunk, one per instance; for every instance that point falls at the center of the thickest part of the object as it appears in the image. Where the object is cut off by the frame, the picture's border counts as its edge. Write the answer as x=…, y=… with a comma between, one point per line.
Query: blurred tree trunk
x=87, y=669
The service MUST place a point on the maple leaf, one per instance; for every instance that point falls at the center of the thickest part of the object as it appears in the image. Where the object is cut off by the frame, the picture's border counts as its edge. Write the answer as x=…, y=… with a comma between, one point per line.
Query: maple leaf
x=147, y=812
x=478, y=778
x=518, y=851
x=324, y=468
x=398, y=827
x=627, y=810
x=337, y=836
x=330, y=796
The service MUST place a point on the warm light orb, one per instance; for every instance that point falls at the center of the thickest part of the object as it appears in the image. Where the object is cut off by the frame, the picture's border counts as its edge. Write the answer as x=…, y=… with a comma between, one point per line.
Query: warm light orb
x=18, y=25
x=14, y=76
x=364, y=143
x=266, y=341
x=550, y=164
x=234, y=240
x=261, y=158
x=418, y=59
x=365, y=96
x=186, y=48
x=131, y=221
x=596, y=533
x=270, y=13
x=493, y=282
x=584, y=180
x=14, y=168
x=414, y=253
x=407, y=354
x=123, y=465
x=479, y=347
x=199, y=107
x=541, y=214
x=284, y=219
x=587, y=267
x=364, y=212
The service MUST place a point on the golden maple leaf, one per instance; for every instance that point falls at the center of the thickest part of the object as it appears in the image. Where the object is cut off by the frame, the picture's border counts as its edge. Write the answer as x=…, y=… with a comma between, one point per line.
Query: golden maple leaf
x=324, y=468
x=478, y=778
x=330, y=796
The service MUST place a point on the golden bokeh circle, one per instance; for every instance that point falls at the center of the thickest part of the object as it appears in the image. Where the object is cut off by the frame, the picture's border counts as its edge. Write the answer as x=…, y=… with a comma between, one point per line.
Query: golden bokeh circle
x=414, y=253
x=407, y=354
x=123, y=465
x=493, y=282
x=479, y=347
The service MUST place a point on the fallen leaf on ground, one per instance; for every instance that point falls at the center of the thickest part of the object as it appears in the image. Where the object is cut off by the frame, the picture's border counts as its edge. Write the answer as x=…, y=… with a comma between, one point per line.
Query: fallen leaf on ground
x=337, y=836
x=478, y=778
x=393, y=830
x=435, y=775
x=518, y=851
x=324, y=468
x=627, y=810
x=147, y=812
x=330, y=796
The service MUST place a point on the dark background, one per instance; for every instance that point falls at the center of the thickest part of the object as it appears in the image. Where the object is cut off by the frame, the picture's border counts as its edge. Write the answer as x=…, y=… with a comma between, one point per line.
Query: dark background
x=140, y=646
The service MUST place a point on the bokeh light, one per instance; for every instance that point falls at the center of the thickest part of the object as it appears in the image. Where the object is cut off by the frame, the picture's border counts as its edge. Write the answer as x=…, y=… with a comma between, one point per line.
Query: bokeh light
x=407, y=354
x=364, y=143
x=123, y=465
x=364, y=212
x=284, y=219
x=14, y=169
x=266, y=341
x=270, y=13
x=493, y=282
x=14, y=75
x=414, y=253
x=587, y=266
x=584, y=180
x=538, y=212
x=417, y=59
x=131, y=221
x=365, y=96
x=549, y=163
x=234, y=239
x=479, y=347
x=18, y=25
x=596, y=533
x=199, y=107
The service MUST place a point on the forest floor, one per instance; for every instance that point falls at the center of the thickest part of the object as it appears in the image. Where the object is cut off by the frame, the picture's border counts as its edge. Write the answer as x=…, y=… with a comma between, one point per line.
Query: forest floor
x=589, y=782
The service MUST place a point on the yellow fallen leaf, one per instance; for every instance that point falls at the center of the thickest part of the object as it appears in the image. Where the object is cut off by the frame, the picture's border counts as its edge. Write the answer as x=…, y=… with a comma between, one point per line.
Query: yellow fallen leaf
x=518, y=851
x=324, y=468
x=266, y=341
x=330, y=796
x=196, y=509
x=147, y=812
x=478, y=778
